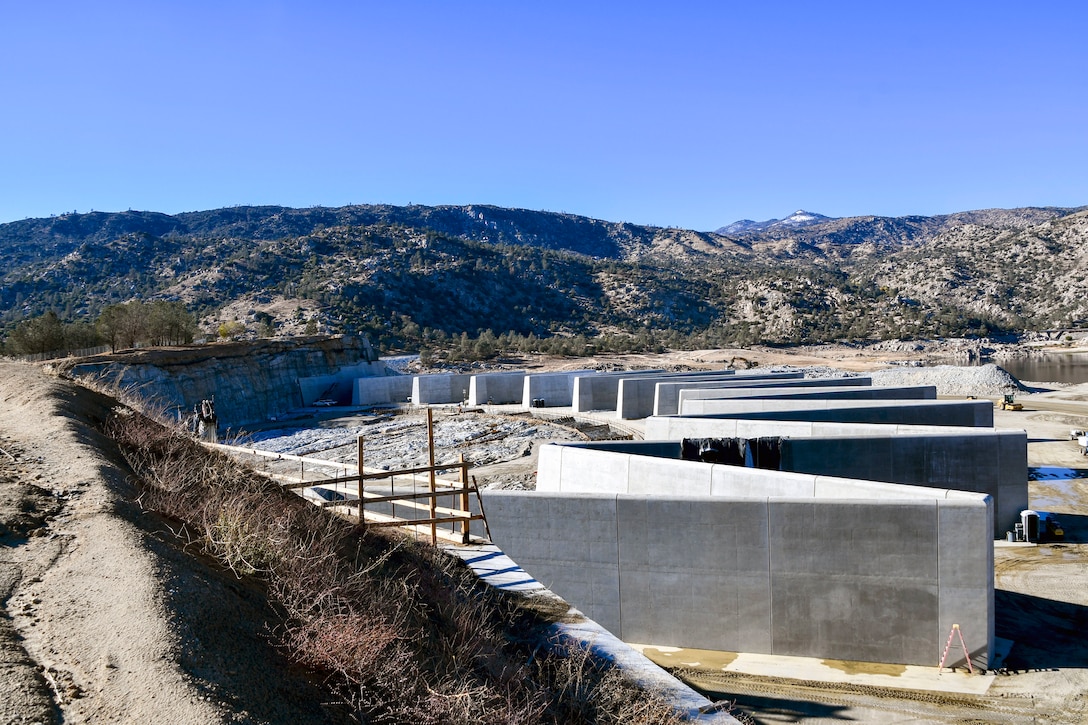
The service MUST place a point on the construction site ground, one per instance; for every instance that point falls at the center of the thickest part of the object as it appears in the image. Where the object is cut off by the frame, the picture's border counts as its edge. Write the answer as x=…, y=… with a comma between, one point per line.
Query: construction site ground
x=86, y=643
x=1041, y=591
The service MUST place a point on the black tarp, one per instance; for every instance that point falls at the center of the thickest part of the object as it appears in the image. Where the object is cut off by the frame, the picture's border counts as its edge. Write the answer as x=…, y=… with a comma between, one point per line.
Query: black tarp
x=729, y=451
x=764, y=452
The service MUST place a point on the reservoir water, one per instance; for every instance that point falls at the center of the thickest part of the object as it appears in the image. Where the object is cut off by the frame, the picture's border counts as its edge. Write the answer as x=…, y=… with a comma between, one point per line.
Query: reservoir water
x=1058, y=367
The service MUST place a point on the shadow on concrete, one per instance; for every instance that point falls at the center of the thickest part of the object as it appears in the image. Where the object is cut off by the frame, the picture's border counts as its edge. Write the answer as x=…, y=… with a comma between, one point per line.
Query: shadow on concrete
x=767, y=710
x=1047, y=634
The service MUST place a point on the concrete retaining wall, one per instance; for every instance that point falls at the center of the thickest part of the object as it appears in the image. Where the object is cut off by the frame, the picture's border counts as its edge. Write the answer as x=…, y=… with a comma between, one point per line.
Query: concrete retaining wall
x=977, y=461
x=555, y=389
x=338, y=386
x=382, y=390
x=702, y=402
x=635, y=396
x=667, y=395
x=992, y=463
x=599, y=391
x=439, y=388
x=712, y=426
x=844, y=579
x=496, y=388
x=971, y=413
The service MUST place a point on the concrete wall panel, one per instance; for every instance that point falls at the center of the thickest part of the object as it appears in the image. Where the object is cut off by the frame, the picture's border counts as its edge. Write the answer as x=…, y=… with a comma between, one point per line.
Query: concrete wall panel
x=667, y=395
x=600, y=391
x=844, y=457
x=382, y=390
x=555, y=389
x=635, y=395
x=874, y=578
x=712, y=571
x=669, y=477
x=969, y=413
x=568, y=543
x=549, y=468
x=496, y=388
x=735, y=482
x=853, y=488
x=440, y=388
x=843, y=579
x=585, y=470
x=965, y=582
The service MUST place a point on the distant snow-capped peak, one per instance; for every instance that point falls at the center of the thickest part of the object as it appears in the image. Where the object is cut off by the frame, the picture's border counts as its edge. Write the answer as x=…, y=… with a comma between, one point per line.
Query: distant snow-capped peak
x=799, y=218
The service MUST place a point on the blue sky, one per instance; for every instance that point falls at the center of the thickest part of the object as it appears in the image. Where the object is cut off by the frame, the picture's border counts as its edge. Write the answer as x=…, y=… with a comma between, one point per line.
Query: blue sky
x=690, y=114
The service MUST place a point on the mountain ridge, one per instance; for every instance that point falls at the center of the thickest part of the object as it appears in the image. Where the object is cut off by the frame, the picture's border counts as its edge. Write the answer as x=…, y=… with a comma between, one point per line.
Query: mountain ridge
x=395, y=272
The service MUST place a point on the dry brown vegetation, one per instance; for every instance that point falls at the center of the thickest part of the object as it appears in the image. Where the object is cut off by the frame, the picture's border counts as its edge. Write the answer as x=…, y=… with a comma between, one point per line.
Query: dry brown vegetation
x=399, y=631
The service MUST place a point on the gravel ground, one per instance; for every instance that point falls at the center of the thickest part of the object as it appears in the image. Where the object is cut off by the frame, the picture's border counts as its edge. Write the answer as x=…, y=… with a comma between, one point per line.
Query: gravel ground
x=500, y=448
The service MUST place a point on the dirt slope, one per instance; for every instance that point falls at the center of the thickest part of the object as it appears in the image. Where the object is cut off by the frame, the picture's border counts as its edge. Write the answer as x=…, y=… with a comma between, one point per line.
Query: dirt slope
x=105, y=620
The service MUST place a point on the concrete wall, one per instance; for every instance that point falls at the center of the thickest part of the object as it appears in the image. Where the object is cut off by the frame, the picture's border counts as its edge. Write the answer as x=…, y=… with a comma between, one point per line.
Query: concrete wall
x=978, y=461
x=877, y=581
x=382, y=390
x=971, y=413
x=992, y=463
x=439, y=388
x=701, y=402
x=338, y=386
x=555, y=389
x=712, y=426
x=635, y=396
x=600, y=391
x=496, y=388
x=606, y=391
x=983, y=460
x=667, y=395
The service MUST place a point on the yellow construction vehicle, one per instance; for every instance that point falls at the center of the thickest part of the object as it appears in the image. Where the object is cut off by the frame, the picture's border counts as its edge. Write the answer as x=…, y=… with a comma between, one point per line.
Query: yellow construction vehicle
x=1009, y=404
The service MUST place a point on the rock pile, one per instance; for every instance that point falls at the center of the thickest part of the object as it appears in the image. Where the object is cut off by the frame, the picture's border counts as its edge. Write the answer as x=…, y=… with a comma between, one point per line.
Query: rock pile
x=984, y=381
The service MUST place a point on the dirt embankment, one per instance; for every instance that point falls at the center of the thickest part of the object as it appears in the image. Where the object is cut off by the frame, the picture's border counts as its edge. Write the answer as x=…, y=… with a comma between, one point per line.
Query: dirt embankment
x=106, y=620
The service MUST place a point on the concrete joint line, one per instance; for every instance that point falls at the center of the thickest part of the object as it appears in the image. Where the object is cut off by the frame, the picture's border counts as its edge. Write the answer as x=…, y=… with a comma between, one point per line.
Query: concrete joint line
x=937, y=553
x=770, y=570
x=619, y=568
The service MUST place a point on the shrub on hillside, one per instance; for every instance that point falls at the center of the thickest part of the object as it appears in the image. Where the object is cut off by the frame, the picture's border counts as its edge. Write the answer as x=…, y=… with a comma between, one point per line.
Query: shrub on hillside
x=403, y=632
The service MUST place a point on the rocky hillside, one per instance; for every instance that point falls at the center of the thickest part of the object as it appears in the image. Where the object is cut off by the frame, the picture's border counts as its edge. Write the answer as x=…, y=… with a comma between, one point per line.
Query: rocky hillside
x=249, y=382
x=406, y=275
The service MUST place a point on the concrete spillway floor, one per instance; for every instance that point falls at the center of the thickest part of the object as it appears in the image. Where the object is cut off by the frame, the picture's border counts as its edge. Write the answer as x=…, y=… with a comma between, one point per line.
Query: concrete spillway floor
x=808, y=669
